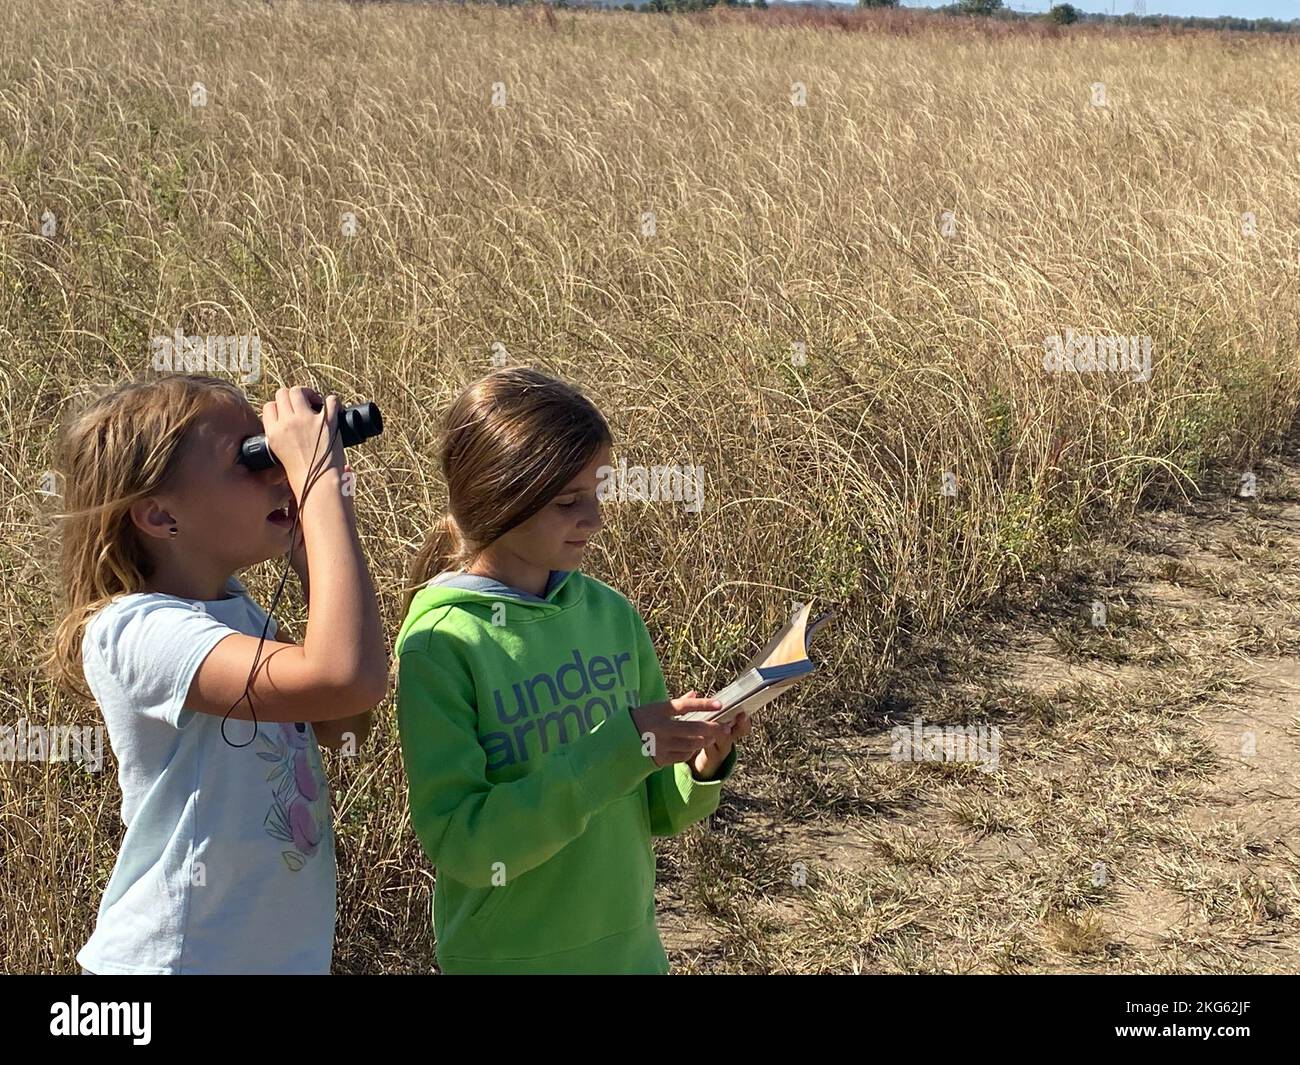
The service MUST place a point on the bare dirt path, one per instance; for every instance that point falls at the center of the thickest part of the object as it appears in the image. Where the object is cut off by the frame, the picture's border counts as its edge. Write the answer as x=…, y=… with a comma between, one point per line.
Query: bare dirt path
x=1143, y=815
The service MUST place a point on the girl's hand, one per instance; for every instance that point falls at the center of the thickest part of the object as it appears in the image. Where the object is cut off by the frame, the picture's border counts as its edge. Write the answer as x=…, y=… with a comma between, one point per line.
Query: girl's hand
x=672, y=740
x=295, y=433
x=709, y=760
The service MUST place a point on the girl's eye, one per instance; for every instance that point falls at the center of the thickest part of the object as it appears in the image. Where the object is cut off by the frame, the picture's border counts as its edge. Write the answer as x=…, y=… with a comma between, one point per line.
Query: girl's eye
x=570, y=503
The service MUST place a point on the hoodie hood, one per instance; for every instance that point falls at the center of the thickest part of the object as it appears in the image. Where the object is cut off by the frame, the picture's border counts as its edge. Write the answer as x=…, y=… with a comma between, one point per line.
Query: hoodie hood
x=456, y=588
x=458, y=580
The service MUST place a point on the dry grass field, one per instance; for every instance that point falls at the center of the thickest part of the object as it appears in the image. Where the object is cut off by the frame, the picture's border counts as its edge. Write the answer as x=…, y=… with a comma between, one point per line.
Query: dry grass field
x=820, y=260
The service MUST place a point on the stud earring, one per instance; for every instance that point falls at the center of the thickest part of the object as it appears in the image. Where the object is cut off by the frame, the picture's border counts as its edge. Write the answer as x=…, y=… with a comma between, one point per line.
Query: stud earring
x=174, y=531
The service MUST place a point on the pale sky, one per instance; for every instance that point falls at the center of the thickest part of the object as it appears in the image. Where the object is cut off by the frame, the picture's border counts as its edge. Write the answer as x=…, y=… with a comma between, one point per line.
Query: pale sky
x=1278, y=9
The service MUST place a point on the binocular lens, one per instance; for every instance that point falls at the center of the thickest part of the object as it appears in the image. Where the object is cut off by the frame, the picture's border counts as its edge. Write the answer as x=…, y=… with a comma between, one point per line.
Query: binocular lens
x=356, y=423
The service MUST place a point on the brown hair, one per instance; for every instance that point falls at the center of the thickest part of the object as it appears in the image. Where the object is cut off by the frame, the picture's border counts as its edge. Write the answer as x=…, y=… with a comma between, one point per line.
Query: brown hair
x=511, y=443
x=123, y=447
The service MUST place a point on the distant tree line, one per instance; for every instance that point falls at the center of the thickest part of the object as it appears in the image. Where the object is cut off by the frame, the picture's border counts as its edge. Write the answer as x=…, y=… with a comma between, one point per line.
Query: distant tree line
x=1067, y=14
x=1060, y=14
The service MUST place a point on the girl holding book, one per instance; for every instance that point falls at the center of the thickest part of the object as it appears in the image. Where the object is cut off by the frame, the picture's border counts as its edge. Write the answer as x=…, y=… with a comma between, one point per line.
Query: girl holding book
x=541, y=749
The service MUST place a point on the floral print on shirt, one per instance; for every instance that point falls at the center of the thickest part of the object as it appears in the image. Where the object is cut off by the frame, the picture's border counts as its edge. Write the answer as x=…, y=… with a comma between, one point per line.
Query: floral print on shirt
x=299, y=813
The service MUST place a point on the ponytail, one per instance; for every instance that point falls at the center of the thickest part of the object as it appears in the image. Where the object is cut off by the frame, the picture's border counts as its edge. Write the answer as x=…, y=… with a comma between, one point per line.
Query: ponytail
x=444, y=548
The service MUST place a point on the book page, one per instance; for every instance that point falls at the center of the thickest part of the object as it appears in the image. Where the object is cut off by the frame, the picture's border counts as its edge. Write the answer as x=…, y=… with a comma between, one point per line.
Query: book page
x=758, y=699
x=788, y=647
x=791, y=645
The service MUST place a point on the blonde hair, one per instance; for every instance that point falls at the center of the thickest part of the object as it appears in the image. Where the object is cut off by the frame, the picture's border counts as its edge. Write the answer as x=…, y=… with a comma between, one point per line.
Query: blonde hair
x=511, y=443
x=123, y=447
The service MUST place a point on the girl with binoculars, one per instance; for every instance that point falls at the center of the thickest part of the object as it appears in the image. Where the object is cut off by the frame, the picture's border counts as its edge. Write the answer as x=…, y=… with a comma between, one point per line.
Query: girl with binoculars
x=542, y=750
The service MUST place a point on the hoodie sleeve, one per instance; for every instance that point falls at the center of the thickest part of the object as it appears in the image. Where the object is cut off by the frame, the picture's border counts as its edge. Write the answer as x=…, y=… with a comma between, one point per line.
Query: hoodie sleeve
x=677, y=799
x=466, y=823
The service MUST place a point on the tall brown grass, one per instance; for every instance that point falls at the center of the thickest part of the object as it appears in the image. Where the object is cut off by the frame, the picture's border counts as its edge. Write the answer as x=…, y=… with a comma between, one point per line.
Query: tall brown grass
x=776, y=225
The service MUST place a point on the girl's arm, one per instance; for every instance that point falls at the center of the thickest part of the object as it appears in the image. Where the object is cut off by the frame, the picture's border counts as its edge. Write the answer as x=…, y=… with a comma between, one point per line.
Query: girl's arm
x=678, y=798
x=341, y=668
x=298, y=556
x=470, y=827
x=332, y=734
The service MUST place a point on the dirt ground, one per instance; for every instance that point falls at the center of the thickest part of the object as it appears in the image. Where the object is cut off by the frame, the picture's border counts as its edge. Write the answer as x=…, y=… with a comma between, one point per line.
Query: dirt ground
x=1141, y=816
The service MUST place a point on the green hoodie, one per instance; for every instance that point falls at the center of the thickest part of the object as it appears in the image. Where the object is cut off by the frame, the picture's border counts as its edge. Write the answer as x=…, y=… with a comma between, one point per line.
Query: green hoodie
x=528, y=787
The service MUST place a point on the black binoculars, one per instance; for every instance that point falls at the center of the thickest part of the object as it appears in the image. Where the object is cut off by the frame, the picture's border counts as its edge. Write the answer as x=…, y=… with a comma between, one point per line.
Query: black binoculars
x=356, y=423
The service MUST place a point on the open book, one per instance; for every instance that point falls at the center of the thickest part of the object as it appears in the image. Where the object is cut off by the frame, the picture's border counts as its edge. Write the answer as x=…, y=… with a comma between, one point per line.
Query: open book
x=780, y=664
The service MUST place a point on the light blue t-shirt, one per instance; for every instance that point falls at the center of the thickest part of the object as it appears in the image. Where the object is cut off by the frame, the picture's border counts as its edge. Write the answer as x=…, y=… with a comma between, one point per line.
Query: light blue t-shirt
x=227, y=865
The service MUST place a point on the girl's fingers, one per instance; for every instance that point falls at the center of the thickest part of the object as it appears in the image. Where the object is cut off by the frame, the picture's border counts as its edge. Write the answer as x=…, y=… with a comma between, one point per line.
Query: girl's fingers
x=678, y=753
x=688, y=704
x=689, y=733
